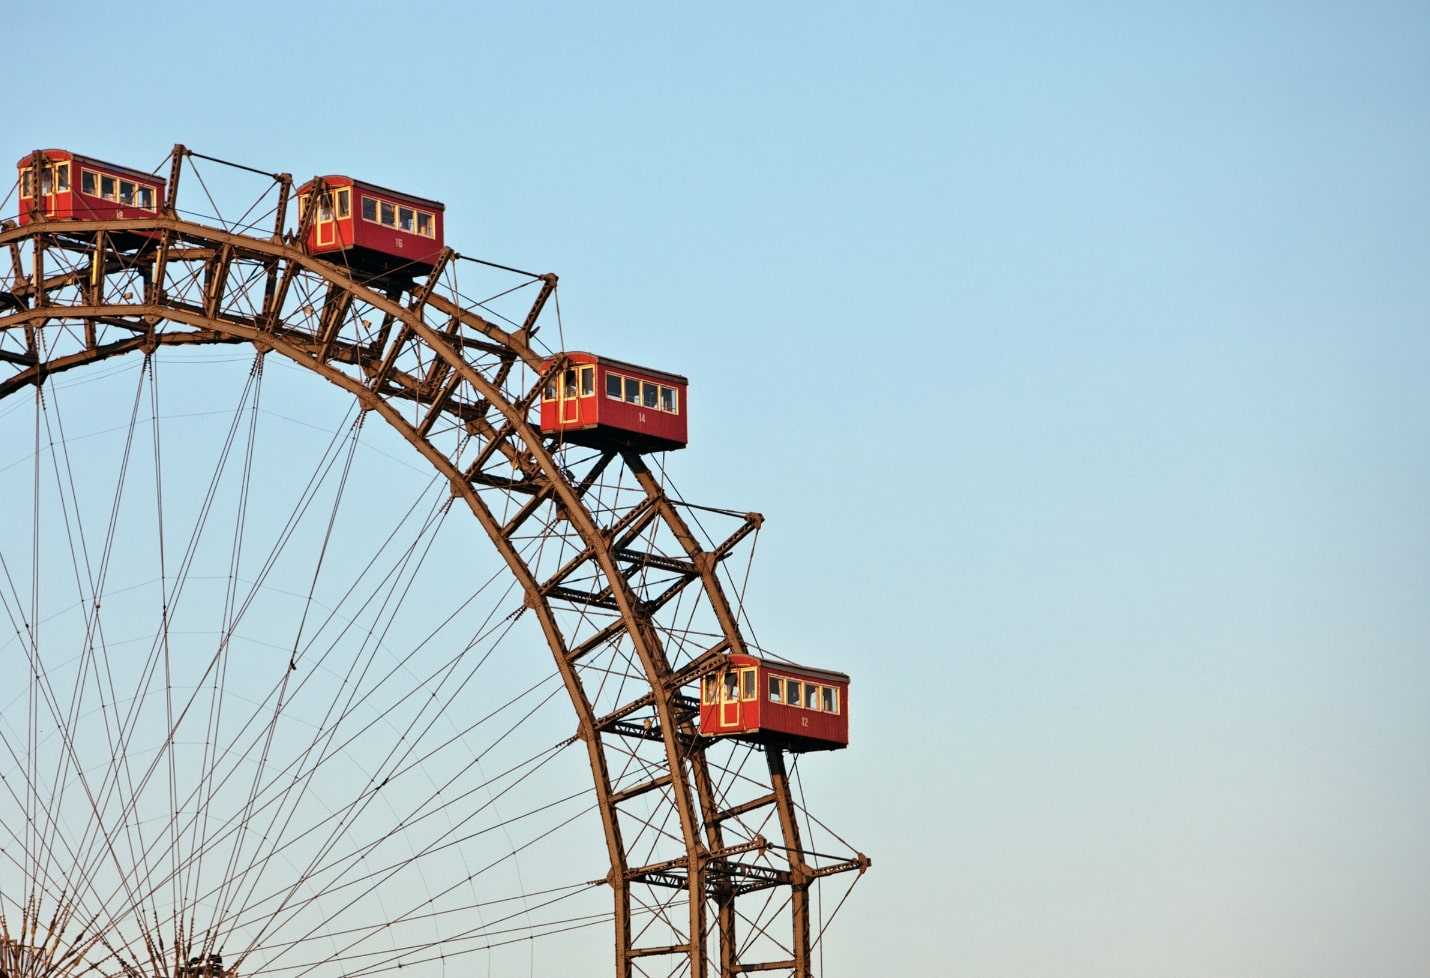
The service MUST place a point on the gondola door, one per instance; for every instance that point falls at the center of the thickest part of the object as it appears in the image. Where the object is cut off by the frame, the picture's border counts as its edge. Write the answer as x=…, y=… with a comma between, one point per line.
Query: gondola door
x=577, y=384
x=55, y=181
x=730, y=718
x=738, y=707
x=326, y=223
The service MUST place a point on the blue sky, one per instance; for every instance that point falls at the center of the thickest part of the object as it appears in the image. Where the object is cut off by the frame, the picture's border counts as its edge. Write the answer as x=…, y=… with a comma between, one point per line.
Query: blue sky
x=1076, y=359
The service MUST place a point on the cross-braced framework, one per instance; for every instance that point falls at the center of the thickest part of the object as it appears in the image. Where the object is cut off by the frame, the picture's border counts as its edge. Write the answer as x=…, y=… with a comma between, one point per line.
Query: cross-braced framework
x=285, y=712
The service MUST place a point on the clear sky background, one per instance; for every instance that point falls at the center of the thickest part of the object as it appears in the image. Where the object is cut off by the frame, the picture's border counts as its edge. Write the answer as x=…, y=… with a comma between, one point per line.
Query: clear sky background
x=1076, y=359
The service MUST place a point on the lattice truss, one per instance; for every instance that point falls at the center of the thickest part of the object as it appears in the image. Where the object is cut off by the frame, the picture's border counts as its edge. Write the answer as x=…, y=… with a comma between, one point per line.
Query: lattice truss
x=713, y=865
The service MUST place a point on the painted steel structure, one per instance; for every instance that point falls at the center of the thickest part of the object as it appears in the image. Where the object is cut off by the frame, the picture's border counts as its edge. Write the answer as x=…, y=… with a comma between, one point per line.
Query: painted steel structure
x=603, y=403
x=776, y=704
x=710, y=854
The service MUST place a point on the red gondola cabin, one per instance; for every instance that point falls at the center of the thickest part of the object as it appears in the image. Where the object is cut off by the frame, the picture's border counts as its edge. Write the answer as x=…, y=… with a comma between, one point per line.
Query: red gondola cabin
x=372, y=230
x=776, y=703
x=77, y=188
x=602, y=403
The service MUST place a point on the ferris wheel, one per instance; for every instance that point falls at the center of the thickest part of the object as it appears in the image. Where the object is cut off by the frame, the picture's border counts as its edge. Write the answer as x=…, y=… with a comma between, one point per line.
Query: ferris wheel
x=348, y=628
